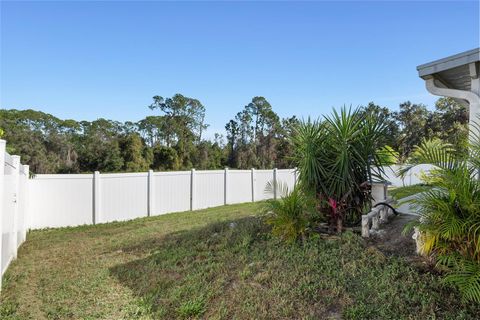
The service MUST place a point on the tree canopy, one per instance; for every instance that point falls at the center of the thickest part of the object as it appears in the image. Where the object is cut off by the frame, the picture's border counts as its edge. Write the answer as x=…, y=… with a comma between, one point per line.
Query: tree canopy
x=174, y=137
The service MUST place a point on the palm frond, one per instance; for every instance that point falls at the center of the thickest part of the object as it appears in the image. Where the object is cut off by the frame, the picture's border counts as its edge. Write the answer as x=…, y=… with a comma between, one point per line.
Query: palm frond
x=279, y=187
x=464, y=274
x=291, y=215
x=450, y=212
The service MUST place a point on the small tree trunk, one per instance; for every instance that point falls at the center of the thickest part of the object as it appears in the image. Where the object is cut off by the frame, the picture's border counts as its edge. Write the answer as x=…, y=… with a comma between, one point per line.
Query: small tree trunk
x=339, y=225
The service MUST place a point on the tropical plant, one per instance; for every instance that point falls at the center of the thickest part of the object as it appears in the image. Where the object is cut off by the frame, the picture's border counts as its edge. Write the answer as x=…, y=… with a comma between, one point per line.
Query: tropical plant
x=449, y=223
x=387, y=155
x=337, y=157
x=291, y=214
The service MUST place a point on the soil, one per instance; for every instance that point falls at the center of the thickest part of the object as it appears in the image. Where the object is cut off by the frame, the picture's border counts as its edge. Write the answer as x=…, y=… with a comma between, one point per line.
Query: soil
x=391, y=241
x=390, y=238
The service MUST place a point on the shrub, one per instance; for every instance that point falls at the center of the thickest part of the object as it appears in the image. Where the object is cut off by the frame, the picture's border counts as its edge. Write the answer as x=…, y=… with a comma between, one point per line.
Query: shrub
x=449, y=210
x=291, y=215
x=337, y=157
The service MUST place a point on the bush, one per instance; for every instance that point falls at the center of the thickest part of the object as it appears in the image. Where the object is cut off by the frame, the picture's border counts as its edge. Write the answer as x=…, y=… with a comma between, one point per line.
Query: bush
x=337, y=156
x=291, y=215
x=449, y=223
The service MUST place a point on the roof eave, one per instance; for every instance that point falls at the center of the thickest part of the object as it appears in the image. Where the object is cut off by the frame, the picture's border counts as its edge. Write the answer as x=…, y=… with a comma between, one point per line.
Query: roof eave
x=457, y=60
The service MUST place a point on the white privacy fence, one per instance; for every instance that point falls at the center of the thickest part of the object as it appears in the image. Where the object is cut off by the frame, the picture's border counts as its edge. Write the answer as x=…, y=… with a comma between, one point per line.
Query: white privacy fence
x=412, y=177
x=62, y=200
x=13, y=206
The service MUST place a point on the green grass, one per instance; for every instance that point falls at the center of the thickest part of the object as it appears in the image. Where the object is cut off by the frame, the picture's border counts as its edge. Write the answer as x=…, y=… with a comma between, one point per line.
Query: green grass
x=403, y=192
x=219, y=263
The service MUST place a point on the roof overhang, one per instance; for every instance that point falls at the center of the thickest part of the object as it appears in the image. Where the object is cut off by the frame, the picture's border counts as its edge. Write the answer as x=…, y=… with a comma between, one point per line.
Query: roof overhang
x=453, y=72
x=458, y=77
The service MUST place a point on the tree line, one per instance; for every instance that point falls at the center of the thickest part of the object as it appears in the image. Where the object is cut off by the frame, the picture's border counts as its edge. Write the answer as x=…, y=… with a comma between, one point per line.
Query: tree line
x=173, y=139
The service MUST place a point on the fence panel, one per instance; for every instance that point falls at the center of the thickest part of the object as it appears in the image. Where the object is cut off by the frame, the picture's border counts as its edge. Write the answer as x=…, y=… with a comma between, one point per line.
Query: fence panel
x=209, y=189
x=418, y=171
x=239, y=186
x=13, y=204
x=8, y=220
x=412, y=177
x=123, y=196
x=171, y=191
x=391, y=176
x=286, y=177
x=60, y=200
x=262, y=178
x=22, y=199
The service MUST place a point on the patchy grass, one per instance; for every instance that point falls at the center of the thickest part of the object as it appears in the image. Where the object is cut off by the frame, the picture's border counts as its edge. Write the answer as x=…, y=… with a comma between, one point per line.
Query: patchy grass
x=218, y=263
x=403, y=192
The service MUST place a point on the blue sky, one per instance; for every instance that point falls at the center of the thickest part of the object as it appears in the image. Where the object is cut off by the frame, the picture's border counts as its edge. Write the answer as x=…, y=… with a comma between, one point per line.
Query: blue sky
x=86, y=60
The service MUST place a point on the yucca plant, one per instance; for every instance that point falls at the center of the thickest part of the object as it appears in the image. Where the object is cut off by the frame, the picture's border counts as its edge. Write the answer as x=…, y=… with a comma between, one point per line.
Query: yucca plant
x=337, y=156
x=291, y=214
x=449, y=222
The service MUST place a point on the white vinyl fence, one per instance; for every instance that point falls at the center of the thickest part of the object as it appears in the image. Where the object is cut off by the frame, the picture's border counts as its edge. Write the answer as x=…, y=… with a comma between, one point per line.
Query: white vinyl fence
x=63, y=200
x=411, y=178
x=13, y=206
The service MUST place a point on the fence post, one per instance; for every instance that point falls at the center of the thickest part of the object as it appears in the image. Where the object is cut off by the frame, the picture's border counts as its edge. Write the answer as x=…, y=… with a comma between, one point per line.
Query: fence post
x=275, y=183
x=2, y=172
x=150, y=199
x=192, y=189
x=26, y=216
x=253, y=184
x=225, y=187
x=96, y=198
x=16, y=177
x=294, y=177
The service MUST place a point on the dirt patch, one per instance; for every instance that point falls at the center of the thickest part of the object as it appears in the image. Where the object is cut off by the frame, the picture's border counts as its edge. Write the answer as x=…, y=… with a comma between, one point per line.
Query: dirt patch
x=391, y=241
x=390, y=238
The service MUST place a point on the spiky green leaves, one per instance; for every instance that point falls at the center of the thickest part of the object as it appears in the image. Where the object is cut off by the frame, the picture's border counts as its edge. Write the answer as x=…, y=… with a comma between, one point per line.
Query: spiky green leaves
x=450, y=212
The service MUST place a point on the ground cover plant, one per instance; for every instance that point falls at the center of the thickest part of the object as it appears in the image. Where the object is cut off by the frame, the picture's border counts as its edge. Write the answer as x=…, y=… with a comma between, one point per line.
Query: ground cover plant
x=220, y=263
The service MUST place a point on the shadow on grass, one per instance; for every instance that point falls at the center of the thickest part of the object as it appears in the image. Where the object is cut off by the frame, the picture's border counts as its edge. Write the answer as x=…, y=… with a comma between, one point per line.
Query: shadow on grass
x=235, y=269
x=185, y=269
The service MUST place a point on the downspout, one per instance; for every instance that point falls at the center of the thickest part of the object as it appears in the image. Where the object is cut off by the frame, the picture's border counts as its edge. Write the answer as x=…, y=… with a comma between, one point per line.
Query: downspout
x=472, y=98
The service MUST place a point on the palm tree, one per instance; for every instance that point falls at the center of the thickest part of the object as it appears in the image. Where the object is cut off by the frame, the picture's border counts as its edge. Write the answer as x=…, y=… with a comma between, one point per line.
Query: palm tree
x=337, y=156
x=449, y=210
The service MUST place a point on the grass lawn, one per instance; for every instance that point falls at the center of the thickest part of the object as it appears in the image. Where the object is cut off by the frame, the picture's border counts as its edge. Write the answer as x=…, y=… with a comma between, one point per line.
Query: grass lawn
x=403, y=192
x=219, y=263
